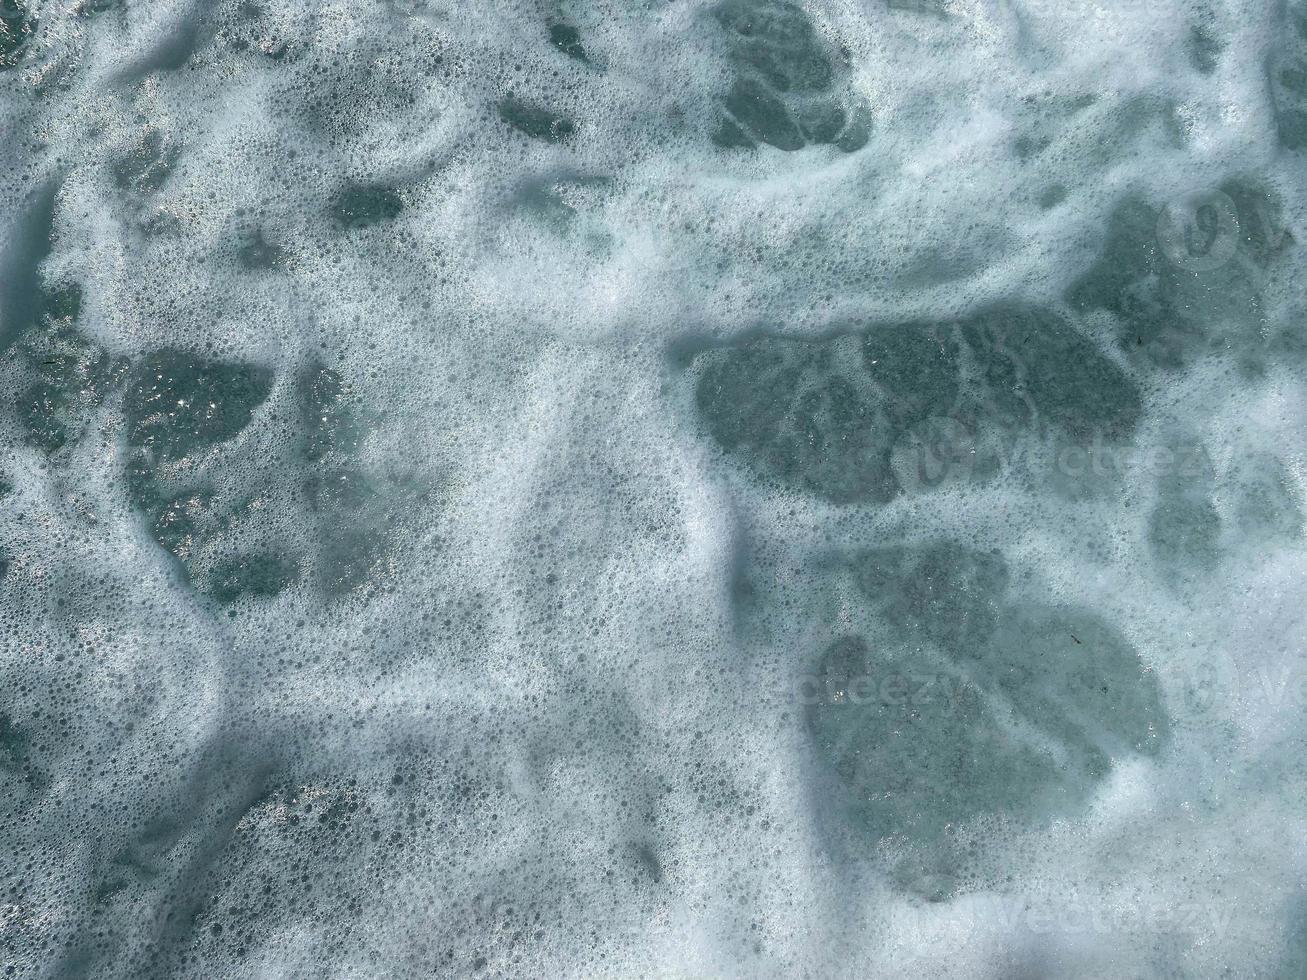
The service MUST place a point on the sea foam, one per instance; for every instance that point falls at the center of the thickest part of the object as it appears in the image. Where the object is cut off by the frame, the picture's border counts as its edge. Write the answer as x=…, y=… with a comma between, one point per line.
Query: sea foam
x=686, y=489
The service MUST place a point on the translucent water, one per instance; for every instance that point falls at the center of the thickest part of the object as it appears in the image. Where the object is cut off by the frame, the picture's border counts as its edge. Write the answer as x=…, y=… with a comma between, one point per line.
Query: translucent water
x=684, y=489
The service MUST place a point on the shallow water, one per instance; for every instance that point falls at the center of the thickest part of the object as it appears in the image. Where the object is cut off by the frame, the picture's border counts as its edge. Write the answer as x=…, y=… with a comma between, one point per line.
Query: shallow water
x=685, y=489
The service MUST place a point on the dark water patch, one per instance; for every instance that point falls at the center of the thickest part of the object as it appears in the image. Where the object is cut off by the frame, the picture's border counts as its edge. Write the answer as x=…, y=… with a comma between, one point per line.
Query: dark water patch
x=1286, y=69
x=567, y=39
x=1186, y=280
x=17, y=25
x=535, y=120
x=178, y=403
x=66, y=377
x=145, y=167
x=28, y=243
x=834, y=416
x=784, y=92
x=173, y=46
x=362, y=205
x=970, y=702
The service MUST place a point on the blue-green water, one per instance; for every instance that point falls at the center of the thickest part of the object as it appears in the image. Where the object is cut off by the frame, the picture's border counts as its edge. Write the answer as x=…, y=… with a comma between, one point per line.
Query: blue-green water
x=678, y=489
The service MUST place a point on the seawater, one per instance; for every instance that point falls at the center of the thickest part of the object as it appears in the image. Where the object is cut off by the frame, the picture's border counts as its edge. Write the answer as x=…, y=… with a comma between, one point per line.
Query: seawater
x=676, y=488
